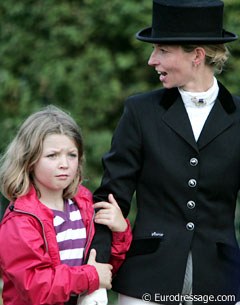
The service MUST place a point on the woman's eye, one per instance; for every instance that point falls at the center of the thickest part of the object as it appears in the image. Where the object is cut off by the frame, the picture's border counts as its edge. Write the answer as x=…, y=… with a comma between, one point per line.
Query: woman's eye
x=163, y=50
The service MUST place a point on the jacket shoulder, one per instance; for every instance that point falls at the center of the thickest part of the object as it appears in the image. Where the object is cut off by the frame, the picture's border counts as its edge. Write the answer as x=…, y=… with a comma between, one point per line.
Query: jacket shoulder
x=162, y=97
x=146, y=97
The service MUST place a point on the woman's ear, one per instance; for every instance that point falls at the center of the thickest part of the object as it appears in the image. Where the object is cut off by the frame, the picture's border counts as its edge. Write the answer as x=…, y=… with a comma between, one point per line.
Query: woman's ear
x=199, y=57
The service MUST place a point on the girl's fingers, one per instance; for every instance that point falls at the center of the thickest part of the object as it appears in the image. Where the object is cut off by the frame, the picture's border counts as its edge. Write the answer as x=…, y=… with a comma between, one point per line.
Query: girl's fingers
x=102, y=215
x=106, y=205
x=101, y=205
x=112, y=200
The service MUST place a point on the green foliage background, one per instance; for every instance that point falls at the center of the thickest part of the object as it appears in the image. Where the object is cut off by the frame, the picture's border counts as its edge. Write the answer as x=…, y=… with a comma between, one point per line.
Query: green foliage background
x=82, y=55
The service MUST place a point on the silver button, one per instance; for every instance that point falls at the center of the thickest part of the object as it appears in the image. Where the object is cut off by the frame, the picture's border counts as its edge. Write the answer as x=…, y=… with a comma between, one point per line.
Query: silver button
x=192, y=182
x=193, y=161
x=190, y=226
x=191, y=204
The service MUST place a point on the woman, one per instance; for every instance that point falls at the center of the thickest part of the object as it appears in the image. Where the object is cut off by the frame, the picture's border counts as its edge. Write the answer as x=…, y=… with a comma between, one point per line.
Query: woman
x=179, y=149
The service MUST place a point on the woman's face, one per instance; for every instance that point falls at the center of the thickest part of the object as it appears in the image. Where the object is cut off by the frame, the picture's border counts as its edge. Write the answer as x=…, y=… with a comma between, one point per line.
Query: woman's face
x=175, y=67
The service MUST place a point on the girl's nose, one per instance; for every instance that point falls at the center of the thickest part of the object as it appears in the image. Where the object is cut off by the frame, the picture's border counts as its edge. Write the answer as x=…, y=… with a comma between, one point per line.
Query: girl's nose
x=63, y=162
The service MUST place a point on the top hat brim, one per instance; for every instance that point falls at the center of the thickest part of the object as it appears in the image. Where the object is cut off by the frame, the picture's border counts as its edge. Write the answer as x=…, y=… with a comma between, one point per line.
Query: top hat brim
x=146, y=36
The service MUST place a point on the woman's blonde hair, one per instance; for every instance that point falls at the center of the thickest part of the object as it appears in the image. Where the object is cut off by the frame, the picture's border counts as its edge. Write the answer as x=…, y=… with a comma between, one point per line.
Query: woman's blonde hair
x=26, y=148
x=216, y=55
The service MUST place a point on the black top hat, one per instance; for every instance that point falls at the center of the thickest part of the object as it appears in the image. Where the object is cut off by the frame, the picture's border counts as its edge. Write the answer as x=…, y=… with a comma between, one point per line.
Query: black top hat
x=186, y=21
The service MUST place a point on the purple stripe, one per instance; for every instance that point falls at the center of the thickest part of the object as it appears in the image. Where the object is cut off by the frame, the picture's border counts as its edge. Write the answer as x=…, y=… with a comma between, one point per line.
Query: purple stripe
x=72, y=244
x=69, y=225
x=73, y=262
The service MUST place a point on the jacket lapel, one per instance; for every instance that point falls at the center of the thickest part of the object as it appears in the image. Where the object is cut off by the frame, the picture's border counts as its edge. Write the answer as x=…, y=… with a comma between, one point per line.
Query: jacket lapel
x=217, y=121
x=219, y=118
x=177, y=119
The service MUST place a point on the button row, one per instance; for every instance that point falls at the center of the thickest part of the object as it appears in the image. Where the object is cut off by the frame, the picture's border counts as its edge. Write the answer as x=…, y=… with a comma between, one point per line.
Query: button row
x=191, y=204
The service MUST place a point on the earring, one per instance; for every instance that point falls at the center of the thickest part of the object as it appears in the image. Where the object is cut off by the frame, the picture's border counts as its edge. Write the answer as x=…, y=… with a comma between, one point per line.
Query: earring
x=195, y=64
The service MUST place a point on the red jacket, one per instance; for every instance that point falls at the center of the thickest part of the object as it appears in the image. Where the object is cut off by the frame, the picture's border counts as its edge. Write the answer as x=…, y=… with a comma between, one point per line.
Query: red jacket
x=29, y=255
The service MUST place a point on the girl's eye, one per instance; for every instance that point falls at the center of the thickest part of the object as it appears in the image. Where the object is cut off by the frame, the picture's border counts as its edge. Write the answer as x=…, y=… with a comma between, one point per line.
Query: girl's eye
x=73, y=155
x=51, y=156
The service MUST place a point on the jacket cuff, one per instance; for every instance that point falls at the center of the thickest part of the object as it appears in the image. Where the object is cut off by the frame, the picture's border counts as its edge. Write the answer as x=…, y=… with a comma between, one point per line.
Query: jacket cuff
x=93, y=278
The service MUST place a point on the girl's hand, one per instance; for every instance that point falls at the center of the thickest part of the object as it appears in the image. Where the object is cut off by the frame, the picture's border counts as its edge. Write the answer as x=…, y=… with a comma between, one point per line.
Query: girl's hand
x=104, y=270
x=110, y=215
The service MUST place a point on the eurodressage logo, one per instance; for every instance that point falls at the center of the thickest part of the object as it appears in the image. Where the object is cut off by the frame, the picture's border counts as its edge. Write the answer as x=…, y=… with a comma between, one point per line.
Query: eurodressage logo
x=204, y=299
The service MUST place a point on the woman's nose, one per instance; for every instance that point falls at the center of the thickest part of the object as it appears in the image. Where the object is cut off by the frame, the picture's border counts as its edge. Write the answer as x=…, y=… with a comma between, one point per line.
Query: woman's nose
x=153, y=61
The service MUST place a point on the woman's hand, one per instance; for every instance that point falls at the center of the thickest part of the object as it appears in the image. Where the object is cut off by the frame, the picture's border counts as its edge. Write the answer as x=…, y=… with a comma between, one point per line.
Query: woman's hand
x=110, y=215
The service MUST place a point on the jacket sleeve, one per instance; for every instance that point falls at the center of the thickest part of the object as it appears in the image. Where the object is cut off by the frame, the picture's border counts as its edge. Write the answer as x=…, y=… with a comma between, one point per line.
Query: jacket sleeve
x=121, y=171
x=120, y=245
x=26, y=263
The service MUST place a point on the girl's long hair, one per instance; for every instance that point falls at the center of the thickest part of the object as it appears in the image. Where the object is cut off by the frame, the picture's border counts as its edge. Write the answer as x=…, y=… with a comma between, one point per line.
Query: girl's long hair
x=26, y=148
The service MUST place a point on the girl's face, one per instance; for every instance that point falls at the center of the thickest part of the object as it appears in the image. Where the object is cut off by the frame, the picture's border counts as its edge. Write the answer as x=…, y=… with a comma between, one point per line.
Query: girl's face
x=174, y=66
x=57, y=165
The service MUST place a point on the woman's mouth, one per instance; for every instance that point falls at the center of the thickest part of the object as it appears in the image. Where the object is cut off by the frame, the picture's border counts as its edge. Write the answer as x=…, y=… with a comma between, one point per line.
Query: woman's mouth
x=162, y=75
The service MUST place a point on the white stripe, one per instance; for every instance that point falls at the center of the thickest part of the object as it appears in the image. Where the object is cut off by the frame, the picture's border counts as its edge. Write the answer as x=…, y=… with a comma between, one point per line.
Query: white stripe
x=70, y=201
x=71, y=254
x=57, y=221
x=71, y=234
x=75, y=215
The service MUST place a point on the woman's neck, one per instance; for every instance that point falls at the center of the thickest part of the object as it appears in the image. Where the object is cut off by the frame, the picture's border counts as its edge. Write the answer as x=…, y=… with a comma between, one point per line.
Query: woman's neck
x=201, y=82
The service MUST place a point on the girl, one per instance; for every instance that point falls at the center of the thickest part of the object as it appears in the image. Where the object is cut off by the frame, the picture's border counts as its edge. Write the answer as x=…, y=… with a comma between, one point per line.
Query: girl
x=49, y=222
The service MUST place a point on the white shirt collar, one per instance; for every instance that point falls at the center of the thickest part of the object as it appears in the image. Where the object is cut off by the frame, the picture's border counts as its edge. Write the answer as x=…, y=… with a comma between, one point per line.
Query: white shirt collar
x=200, y=99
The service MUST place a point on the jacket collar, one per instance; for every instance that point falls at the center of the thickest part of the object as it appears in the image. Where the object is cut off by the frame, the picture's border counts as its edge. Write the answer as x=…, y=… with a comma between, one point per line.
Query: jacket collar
x=218, y=120
x=224, y=96
x=29, y=203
